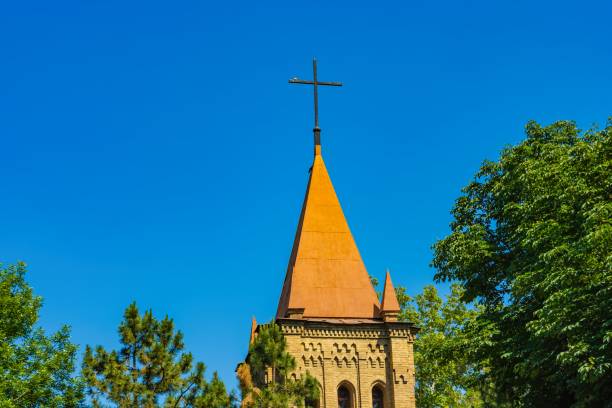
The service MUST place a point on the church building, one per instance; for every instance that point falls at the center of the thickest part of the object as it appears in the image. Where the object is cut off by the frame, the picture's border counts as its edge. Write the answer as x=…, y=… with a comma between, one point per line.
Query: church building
x=335, y=326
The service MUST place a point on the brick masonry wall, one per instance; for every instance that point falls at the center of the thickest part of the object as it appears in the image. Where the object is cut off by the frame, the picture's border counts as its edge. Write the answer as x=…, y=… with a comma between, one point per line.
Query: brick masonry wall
x=357, y=356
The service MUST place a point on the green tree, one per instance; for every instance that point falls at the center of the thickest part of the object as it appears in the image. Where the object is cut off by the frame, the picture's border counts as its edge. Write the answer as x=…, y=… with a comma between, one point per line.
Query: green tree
x=445, y=376
x=269, y=350
x=530, y=241
x=151, y=369
x=264, y=377
x=35, y=370
x=215, y=395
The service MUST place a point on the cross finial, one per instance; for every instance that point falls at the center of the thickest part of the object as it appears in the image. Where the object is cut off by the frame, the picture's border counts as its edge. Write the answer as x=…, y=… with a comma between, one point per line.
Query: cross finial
x=315, y=82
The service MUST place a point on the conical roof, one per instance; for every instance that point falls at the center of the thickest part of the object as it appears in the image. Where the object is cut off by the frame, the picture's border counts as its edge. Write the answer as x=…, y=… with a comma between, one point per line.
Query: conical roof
x=389, y=299
x=326, y=277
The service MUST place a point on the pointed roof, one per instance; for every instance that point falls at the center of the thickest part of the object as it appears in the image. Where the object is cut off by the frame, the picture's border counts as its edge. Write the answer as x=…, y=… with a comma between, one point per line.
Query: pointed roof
x=389, y=299
x=326, y=276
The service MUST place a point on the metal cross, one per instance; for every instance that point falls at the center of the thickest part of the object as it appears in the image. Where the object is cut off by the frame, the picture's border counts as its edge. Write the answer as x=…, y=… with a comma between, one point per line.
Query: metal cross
x=316, y=83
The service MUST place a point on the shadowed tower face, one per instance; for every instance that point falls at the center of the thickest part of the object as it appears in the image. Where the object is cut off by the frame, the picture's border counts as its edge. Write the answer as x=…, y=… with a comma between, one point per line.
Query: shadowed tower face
x=336, y=327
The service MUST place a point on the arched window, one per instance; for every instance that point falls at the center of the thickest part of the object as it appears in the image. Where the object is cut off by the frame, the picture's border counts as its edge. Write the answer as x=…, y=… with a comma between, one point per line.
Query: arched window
x=344, y=397
x=377, y=397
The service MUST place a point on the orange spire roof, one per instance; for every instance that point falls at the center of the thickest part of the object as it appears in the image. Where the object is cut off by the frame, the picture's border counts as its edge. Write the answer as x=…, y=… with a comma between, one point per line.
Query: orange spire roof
x=389, y=299
x=326, y=276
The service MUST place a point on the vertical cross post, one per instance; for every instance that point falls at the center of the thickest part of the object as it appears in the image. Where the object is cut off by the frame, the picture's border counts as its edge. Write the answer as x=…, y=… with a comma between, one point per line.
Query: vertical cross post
x=316, y=92
x=315, y=82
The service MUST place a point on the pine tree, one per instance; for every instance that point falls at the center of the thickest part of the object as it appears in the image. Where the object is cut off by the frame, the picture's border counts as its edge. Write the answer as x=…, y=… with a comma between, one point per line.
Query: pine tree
x=215, y=395
x=151, y=369
x=268, y=356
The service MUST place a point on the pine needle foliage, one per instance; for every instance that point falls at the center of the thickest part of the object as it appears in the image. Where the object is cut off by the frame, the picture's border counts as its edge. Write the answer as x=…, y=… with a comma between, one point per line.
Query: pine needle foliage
x=151, y=369
x=264, y=378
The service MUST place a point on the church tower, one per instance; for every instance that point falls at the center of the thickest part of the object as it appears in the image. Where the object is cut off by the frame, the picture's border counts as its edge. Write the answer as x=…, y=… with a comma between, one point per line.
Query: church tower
x=336, y=327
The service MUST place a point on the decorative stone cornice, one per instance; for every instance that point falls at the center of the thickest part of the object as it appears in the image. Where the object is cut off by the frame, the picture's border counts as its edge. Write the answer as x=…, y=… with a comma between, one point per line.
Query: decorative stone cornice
x=322, y=329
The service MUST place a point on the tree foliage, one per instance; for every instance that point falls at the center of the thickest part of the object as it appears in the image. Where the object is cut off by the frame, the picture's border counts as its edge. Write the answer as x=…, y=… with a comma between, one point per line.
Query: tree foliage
x=445, y=377
x=215, y=395
x=151, y=369
x=35, y=370
x=264, y=378
x=530, y=241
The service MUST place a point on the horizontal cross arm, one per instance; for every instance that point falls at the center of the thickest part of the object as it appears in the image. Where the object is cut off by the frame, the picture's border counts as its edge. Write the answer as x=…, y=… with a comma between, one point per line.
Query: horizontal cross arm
x=302, y=81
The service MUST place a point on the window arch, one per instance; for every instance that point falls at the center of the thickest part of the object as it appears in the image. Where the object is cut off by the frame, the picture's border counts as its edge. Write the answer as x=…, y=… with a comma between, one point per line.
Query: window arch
x=378, y=396
x=345, y=395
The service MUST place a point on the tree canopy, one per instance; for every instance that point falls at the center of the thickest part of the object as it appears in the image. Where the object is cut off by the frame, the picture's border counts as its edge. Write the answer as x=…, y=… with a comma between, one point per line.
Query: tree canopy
x=530, y=242
x=445, y=375
x=35, y=369
x=264, y=376
x=151, y=369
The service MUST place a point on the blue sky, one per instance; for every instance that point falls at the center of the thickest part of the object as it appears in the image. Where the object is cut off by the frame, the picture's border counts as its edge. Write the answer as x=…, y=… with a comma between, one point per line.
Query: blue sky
x=154, y=152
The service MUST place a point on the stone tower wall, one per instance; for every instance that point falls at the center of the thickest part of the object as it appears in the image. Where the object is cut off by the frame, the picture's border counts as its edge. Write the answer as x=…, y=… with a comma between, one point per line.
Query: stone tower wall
x=360, y=356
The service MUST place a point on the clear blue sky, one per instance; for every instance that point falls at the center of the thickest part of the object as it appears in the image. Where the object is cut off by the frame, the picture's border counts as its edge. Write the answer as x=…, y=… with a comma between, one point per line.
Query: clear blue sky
x=153, y=151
